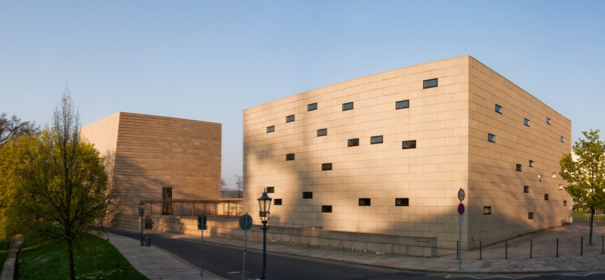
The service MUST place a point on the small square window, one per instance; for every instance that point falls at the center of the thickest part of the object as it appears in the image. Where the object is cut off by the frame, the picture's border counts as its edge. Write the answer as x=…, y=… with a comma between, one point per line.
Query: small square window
x=519, y=167
x=498, y=109
x=290, y=157
x=487, y=210
x=530, y=215
x=526, y=122
x=270, y=129
x=554, y=174
x=402, y=202
x=547, y=120
x=564, y=202
x=545, y=196
x=531, y=163
x=307, y=195
x=376, y=139
x=347, y=106
x=326, y=166
x=560, y=187
x=322, y=132
x=429, y=83
x=326, y=208
x=526, y=189
x=491, y=138
x=403, y=104
x=364, y=202
x=312, y=106
x=353, y=142
x=290, y=118
x=410, y=144
x=270, y=189
x=277, y=201
x=562, y=139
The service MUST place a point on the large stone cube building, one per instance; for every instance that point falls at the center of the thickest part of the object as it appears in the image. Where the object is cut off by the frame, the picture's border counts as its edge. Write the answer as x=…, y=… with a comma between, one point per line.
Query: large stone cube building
x=159, y=157
x=387, y=153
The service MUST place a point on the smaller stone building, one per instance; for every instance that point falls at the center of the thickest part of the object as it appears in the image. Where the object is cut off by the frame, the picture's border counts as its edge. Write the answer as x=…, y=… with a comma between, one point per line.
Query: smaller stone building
x=159, y=157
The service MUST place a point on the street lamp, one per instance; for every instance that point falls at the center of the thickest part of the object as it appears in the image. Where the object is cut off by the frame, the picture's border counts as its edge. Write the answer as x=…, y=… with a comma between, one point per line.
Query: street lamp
x=264, y=203
x=141, y=214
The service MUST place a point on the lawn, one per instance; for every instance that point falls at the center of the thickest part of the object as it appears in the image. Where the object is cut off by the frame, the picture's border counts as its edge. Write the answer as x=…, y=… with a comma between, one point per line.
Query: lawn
x=97, y=259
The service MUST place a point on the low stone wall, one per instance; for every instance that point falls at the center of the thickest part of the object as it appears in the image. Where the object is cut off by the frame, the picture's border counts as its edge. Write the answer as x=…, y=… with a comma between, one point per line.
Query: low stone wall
x=12, y=258
x=310, y=237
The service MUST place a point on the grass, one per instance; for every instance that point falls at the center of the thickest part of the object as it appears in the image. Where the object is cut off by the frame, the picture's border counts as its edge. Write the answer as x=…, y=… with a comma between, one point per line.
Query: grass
x=3, y=251
x=96, y=259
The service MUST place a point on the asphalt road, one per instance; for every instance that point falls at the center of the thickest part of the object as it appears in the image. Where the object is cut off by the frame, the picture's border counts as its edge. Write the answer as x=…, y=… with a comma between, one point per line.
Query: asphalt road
x=227, y=262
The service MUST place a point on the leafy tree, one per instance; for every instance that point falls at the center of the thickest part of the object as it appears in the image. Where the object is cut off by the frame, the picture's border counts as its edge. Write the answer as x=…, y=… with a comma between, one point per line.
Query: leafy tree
x=56, y=184
x=586, y=174
x=14, y=127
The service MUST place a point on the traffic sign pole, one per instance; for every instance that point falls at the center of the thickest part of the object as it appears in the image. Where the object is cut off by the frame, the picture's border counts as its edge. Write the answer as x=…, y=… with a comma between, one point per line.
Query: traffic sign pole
x=461, y=196
x=245, y=223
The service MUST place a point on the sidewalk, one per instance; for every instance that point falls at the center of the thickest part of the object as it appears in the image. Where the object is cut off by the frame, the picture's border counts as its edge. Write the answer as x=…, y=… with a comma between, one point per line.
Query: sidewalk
x=156, y=263
x=493, y=262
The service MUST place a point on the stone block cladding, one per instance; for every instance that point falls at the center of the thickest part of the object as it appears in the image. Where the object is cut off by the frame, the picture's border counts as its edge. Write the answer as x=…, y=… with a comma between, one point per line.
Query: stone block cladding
x=152, y=152
x=393, y=160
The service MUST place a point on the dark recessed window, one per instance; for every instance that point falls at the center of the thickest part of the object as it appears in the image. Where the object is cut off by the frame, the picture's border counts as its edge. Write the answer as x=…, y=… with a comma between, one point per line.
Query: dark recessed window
x=270, y=189
x=531, y=163
x=410, y=144
x=429, y=83
x=290, y=118
x=290, y=157
x=277, y=201
x=364, y=202
x=307, y=195
x=270, y=128
x=491, y=138
x=564, y=202
x=347, y=106
x=530, y=215
x=487, y=210
x=526, y=189
x=376, y=139
x=545, y=196
x=526, y=122
x=322, y=132
x=312, y=106
x=326, y=208
x=353, y=142
x=403, y=104
x=402, y=202
x=326, y=166
x=547, y=120
x=519, y=168
x=498, y=109
x=562, y=139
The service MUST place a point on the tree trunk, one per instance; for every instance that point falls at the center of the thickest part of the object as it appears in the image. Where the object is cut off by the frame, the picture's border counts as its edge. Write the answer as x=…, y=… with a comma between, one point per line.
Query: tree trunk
x=70, y=250
x=592, y=210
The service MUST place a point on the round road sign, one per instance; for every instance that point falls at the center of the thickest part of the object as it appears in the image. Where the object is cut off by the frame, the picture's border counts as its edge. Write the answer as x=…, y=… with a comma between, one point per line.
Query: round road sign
x=461, y=194
x=245, y=222
x=460, y=209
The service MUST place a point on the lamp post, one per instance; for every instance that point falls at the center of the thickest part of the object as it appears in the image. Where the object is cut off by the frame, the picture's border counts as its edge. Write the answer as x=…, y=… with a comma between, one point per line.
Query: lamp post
x=141, y=214
x=264, y=203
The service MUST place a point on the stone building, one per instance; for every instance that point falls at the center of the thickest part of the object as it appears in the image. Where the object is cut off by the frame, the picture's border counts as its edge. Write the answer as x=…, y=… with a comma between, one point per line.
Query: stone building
x=159, y=157
x=387, y=154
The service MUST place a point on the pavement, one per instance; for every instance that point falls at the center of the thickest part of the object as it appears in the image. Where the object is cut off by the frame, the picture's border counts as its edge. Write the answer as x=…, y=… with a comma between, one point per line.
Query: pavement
x=495, y=259
x=155, y=263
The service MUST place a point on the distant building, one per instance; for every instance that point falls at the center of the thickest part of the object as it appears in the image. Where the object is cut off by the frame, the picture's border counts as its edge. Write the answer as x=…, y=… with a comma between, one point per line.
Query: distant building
x=387, y=153
x=159, y=157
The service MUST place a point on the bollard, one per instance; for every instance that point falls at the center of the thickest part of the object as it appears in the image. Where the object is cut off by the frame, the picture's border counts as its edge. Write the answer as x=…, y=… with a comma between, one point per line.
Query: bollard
x=581, y=245
x=557, y=247
x=602, y=244
x=531, y=245
x=506, y=249
x=457, y=249
x=479, y=249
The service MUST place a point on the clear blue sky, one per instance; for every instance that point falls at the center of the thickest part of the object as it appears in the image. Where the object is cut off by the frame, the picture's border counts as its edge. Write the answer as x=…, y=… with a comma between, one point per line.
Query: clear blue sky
x=210, y=60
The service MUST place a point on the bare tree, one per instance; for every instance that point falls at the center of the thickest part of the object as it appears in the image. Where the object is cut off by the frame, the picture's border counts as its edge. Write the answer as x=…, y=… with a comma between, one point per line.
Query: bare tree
x=14, y=127
x=240, y=186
